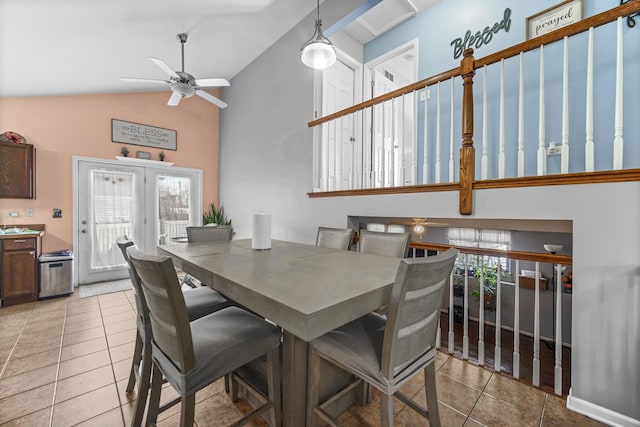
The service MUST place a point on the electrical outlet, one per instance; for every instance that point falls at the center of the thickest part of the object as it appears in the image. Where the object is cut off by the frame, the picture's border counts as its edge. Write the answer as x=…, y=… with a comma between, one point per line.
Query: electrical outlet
x=553, y=149
x=28, y=211
x=424, y=95
x=13, y=214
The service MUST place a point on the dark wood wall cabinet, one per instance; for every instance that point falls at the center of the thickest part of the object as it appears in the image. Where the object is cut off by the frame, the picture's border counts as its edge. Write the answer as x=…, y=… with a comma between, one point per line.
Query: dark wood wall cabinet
x=19, y=268
x=17, y=171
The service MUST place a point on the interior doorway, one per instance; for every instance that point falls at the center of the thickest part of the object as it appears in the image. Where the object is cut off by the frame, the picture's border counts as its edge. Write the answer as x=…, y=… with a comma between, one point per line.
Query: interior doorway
x=145, y=201
x=391, y=157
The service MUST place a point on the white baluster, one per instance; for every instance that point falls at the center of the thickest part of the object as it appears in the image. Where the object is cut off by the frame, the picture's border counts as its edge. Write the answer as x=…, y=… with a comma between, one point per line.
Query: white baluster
x=393, y=142
x=558, y=365
x=325, y=156
x=316, y=185
x=516, y=325
x=450, y=340
x=536, y=329
x=451, y=178
x=337, y=153
x=485, y=139
x=501, y=159
x=521, y=118
x=383, y=157
x=564, y=160
x=498, y=347
x=438, y=139
x=481, y=319
x=589, y=147
x=617, y=139
x=465, y=333
x=542, y=150
x=425, y=145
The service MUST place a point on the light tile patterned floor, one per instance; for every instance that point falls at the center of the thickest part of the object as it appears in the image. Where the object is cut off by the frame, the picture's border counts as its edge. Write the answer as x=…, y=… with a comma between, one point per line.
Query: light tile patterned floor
x=65, y=362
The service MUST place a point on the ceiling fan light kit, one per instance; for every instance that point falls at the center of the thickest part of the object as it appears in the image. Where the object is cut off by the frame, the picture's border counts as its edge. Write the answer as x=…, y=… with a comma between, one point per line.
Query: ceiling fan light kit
x=183, y=84
x=318, y=53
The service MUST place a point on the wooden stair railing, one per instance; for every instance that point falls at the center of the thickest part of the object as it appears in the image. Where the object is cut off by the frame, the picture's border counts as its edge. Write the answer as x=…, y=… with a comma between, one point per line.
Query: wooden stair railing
x=468, y=65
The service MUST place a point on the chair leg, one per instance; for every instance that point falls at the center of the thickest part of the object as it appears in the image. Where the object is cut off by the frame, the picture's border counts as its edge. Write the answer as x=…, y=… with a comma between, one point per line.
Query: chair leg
x=273, y=383
x=154, y=398
x=135, y=363
x=386, y=410
x=432, y=396
x=188, y=409
x=233, y=387
x=143, y=385
x=313, y=383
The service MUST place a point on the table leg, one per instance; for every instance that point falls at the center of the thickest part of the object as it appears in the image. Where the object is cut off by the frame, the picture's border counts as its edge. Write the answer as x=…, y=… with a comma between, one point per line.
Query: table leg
x=294, y=381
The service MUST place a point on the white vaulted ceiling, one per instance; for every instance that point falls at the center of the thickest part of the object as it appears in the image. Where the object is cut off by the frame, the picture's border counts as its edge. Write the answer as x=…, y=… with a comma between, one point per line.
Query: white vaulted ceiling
x=66, y=47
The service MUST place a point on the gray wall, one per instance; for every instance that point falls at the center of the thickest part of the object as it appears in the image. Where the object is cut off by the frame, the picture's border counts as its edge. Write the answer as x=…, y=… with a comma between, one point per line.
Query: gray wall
x=265, y=165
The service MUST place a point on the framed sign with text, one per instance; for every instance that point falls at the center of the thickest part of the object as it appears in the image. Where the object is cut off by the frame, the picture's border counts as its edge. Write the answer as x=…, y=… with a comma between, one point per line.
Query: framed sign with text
x=558, y=16
x=139, y=134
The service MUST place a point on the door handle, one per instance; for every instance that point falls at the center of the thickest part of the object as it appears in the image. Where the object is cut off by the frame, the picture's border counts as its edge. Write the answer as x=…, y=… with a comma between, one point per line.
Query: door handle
x=84, y=222
x=84, y=230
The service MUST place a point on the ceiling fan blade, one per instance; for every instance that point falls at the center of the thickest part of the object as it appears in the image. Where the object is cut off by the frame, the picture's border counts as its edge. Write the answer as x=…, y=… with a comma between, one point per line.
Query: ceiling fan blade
x=163, y=65
x=137, y=80
x=174, y=100
x=212, y=82
x=211, y=98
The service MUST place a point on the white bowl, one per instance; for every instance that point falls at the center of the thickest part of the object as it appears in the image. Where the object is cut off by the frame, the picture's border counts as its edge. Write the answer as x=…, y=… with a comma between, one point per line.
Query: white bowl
x=552, y=248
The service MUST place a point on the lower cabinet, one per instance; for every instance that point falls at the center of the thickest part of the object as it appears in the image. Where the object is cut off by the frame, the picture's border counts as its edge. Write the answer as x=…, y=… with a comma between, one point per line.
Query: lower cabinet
x=19, y=262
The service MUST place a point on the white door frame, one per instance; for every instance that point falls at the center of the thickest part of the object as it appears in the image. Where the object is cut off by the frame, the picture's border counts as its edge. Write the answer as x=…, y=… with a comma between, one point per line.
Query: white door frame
x=368, y=77
x=147, y=164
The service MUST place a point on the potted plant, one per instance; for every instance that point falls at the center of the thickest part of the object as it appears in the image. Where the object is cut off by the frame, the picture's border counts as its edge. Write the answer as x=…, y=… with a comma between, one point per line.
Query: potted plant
x=215, y=217
x=490, y=275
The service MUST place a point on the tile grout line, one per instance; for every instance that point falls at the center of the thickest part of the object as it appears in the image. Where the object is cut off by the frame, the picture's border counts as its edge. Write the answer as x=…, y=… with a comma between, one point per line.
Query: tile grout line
x=15, y=343
x=544, y=407
x=55, y=384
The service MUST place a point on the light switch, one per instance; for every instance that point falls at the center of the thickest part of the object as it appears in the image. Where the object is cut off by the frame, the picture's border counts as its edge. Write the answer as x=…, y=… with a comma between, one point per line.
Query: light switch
x=28, y=211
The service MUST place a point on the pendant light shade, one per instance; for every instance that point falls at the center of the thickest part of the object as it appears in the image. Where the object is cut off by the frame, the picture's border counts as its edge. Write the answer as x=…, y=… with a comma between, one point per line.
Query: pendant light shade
x=318, y=53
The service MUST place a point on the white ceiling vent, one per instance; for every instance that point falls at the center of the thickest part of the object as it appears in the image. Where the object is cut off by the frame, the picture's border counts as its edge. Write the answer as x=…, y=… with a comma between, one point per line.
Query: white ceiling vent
x=386, y=15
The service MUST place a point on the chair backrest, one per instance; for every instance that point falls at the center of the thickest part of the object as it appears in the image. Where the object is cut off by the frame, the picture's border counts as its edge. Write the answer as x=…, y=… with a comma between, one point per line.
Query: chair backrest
x=414, y=310
x=167, y=309
x=208, y=234
x=387, y=244
x=336, y=238
x=144, y=325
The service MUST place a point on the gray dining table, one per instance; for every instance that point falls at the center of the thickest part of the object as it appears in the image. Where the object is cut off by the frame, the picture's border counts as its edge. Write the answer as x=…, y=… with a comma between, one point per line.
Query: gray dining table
x=306, y=290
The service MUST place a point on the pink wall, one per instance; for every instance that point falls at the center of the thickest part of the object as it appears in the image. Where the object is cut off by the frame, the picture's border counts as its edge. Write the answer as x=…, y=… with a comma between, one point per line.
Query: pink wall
x=62, y=126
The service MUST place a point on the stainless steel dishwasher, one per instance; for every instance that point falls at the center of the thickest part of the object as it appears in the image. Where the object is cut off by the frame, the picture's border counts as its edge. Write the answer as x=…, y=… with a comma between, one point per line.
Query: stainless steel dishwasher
x=56, y=274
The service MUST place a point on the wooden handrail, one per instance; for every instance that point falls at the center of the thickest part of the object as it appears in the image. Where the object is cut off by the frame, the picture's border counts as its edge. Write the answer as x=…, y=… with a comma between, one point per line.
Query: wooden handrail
x=521, y=255
x=429, y=81
x=578, y=27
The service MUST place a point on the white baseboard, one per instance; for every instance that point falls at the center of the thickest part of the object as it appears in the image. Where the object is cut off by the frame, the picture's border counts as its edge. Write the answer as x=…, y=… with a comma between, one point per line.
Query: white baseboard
x=600, y=413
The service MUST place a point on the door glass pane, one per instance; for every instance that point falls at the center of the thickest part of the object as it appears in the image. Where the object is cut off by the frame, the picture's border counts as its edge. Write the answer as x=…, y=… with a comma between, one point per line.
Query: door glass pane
x=173, y=207
x=113, y=209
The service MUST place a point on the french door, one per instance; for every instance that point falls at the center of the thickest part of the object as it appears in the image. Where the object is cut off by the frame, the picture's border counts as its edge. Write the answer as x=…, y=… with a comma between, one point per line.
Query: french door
x=149, y=204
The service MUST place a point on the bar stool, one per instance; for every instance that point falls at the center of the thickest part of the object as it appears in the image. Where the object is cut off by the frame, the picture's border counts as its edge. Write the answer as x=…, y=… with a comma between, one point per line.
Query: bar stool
x=199, y=301
x=192, y=355
x=388, y=352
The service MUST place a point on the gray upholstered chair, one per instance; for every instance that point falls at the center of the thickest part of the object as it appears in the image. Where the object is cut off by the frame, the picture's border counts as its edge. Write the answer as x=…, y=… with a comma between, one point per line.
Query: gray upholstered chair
x=197, y=234
x=387, y=244
x=192, y=355
x=336, y=238
x=208, y=234
x=199, y=302
x=387, y=352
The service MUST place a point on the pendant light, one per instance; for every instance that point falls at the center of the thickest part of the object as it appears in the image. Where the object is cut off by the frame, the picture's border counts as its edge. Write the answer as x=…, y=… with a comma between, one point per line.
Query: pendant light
x=318, y=53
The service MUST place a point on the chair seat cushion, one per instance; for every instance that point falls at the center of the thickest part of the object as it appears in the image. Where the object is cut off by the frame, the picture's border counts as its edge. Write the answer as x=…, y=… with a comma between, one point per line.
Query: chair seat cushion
x=202, y=301
x=357, y=347
x=222, y=342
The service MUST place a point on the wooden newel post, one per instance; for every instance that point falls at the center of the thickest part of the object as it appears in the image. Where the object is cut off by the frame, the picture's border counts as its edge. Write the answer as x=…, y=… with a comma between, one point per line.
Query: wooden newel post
x=467, y=152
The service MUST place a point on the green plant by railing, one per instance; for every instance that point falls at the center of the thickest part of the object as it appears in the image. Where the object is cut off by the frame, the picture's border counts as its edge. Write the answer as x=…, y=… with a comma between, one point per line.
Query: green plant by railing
x=490, y=275
x=215, y=216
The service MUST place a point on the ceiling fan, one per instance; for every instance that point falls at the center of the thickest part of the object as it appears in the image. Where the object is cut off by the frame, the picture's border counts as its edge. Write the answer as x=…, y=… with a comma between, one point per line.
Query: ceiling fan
x=182, y=84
